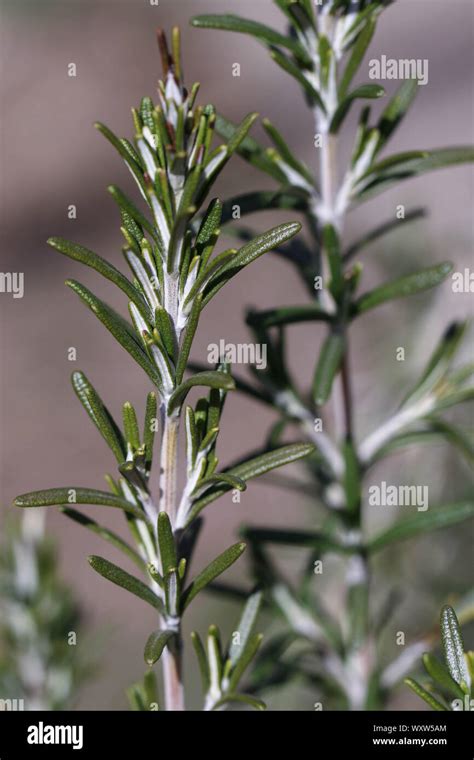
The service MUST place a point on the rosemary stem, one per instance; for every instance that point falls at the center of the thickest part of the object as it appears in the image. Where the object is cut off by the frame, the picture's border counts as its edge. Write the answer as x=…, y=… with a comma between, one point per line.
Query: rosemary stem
x=172, y=656
x=169, y=466
x=358, y=573
x=172, y=678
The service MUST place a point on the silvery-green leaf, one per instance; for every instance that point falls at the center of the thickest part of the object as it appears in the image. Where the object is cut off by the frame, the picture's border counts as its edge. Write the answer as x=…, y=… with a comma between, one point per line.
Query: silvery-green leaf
x=123, y=579
x=453, y=646
x=425, y=695
x=155, y=644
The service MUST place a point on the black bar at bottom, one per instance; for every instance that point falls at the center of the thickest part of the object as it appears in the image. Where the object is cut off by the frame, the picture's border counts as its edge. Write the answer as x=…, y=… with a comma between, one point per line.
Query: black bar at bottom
x=377, y=735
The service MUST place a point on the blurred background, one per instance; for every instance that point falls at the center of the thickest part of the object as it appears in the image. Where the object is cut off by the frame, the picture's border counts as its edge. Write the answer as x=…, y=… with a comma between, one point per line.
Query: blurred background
x=52, y=157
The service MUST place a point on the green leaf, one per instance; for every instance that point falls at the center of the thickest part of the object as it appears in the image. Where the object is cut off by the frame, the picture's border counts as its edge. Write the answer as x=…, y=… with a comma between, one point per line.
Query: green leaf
x=355, y=59
x=208, y=272
x=211, y=379
x=333, y=253
x=218, y=479
x=327, y=367
x=105, y=533
x=381, y=230
x=99, y=415
x=249, y=149
x=150, y=688
x=130, y=425
x=185, y=349
x=165, y=328
x=265, y=34
x=453, y=646
x=286, y=152
x=75, y=495
x=214, y=658
x=248, y=653
x=296, y=72
x=245, y=699
x=288, y=315
x=442, y=157
x=401, y=162
x=136, y=698
x=435, y=431
x=371, y=91
x=396, y=110
x=129, y=207
x=209, y=228
x=121, y=578
x=133, y=161
x=454, y=436
x=439, y=361
x=91, y=259
x=377, y=180
x=118, y=326
x=425, y=695
x=169, y=559
x=404, y=286
x=249, y=253
x=149, y=428
x=453, y=399
x=318, y=541
x=423, y=522
x=264, y=200
x=241, y=133
x=212, y=571
x=440, y=675
x=252, y=468
x=245, y=627
x=155, y=644
x=202, y=660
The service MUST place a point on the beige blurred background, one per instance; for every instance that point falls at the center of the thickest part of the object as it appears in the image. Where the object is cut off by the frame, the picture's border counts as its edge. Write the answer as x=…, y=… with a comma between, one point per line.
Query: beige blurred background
x=52, y=157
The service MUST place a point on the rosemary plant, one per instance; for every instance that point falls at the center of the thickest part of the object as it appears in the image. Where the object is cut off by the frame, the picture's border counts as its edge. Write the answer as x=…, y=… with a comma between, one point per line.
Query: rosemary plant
x=323, y=51
x=169, y=249
x=42, y=662
x=452, y=682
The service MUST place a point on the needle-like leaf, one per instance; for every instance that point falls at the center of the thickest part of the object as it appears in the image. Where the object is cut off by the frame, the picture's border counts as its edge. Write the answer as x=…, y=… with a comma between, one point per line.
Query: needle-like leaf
x=423, y=523
x=245, y=627
x=123, y=579
x=405, y=286
x=155, y=644
x=262, y=32
x=327, y=367
x=440, y=675
x=99, y=415
x=108, y=535
x=93, y=260
x=212, y=571
x=253, y=468
x=453, y=646
x=166, y=543
x=425, y=695
x=119, y=328
x=209, y=379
